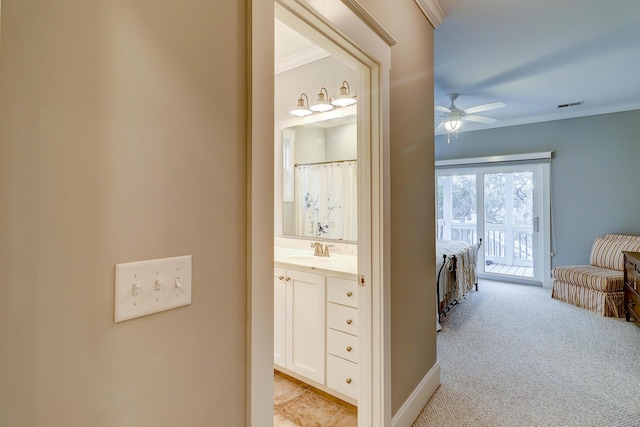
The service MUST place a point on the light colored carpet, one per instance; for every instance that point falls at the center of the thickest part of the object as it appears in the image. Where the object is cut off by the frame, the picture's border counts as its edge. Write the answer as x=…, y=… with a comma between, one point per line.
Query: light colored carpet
x=511, y=355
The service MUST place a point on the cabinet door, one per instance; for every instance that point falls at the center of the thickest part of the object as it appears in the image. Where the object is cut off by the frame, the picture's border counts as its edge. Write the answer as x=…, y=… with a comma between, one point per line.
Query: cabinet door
x=306, y=297
x=279, y=316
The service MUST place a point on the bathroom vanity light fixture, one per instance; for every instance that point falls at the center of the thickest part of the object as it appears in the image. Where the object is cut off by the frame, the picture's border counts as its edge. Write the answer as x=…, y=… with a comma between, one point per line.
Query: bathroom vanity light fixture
x=344, y=98
x=301, y=109
x=322, y=103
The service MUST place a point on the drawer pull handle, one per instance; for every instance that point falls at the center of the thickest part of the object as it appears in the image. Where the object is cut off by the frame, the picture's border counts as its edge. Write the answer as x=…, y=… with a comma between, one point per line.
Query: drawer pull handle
x=349, y=294
x=632, y=303
x=348, y=380
x=288, y=279
x=349, y=349
x=349, y=321
x=280, y=277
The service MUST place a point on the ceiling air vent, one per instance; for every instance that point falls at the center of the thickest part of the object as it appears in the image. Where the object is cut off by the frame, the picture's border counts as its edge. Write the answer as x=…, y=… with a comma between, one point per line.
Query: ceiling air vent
x=570, y=104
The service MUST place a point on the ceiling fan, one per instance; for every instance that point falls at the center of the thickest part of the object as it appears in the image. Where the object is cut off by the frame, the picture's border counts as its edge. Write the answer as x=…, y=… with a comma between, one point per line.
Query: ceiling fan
x=454, y=116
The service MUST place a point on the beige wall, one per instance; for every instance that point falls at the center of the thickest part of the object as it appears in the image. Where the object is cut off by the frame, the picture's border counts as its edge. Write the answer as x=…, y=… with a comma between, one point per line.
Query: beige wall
x=413, y=337
x=122, y=138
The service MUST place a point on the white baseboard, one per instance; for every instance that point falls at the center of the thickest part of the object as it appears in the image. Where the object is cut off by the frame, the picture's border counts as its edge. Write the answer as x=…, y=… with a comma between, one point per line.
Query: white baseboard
x=411, y=408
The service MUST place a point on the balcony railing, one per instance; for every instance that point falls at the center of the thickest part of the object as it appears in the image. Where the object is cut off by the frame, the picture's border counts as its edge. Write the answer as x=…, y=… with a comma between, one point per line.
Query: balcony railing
x=500, y=245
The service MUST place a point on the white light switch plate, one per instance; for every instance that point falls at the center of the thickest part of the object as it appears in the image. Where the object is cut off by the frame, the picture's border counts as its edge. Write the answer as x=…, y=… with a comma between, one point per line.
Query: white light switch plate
x=146, y=287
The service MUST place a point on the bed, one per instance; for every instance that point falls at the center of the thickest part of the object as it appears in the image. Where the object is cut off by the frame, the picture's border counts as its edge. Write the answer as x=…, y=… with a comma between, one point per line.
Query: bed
x=457, y=273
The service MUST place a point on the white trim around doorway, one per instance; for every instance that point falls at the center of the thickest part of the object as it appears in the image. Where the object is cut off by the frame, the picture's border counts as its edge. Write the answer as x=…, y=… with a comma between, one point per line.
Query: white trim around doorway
x=540, y=165
x=354, y=41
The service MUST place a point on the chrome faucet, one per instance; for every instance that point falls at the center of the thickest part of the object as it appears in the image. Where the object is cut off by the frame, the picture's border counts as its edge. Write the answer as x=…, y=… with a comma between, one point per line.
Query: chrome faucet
x=317, y=249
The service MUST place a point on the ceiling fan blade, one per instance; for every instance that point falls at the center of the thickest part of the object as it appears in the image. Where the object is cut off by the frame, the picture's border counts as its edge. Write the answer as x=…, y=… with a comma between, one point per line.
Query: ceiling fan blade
x=440, y=126
x=442, y=109
x=479, y=119
x=484, y=107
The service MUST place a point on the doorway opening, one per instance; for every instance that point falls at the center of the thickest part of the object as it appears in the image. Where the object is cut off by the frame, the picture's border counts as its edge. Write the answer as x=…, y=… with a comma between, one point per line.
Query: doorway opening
x=316, y=353
x=357, y=39
x=315, y=204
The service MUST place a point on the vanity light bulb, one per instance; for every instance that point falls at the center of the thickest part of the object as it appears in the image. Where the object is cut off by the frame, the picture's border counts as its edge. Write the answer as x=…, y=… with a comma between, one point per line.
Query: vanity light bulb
x=301, y=109
x=322, y=104
x=344, y=99
x=300, y=112
x=343, y=102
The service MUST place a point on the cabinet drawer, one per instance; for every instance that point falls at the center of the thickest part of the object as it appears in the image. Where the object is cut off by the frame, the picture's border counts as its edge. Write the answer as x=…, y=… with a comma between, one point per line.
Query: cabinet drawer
x=342, y=376
x=632, y=304
x=342, y=345
x=342, y=318
x=342, y=291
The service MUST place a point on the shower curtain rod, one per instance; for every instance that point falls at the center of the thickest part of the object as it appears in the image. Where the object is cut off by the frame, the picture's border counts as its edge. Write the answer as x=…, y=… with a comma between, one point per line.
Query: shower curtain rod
x=324, y=163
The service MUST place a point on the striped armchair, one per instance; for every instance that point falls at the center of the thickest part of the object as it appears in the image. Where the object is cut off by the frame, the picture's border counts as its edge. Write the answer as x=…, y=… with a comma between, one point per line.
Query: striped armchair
x=597, y=287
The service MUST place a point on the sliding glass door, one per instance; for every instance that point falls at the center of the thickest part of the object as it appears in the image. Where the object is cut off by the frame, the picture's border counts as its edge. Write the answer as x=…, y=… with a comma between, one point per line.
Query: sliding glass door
x=509, y=218
x=504, y=206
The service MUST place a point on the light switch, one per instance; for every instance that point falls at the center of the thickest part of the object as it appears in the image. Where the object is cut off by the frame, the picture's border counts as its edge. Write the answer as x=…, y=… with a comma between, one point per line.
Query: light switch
x=140, y=286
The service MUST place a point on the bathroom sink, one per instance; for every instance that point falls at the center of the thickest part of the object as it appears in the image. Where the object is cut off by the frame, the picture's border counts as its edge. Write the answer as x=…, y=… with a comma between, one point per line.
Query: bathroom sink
x=314, y=260
x=336, y=262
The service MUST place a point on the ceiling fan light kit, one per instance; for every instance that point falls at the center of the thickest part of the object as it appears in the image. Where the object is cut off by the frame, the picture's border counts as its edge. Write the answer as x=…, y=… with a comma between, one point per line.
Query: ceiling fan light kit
x=454, y=116
x=452, y=123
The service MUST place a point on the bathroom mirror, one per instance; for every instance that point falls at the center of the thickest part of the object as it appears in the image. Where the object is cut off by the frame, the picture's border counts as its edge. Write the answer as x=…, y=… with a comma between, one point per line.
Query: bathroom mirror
x=319, y=180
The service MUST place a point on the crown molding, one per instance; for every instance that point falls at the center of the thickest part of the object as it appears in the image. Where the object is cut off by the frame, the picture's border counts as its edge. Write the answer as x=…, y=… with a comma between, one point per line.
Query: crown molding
x=306, y=56
x=366, y=17
x=433, y=11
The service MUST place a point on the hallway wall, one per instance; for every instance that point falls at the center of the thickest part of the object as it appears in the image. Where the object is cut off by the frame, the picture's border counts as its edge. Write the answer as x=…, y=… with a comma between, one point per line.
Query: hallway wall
x=413, y=291
x=122, y=138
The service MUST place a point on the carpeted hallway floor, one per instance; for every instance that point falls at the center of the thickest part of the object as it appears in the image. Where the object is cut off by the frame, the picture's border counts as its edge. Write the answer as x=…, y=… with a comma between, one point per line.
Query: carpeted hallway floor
x=510, y=355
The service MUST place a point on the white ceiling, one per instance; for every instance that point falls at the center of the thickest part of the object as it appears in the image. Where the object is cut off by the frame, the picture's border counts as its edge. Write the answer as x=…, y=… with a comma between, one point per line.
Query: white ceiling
x=536, y=54
x=292, y=49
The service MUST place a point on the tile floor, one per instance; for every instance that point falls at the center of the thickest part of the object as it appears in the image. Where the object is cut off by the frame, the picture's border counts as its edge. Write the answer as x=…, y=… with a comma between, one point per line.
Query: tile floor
x=297, y=404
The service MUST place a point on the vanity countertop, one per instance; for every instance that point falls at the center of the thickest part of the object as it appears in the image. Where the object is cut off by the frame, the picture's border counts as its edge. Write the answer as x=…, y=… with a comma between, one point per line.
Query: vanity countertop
x=301, y=258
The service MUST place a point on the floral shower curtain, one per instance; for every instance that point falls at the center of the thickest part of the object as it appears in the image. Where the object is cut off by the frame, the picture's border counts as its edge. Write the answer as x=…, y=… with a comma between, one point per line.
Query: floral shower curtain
x=326, y=200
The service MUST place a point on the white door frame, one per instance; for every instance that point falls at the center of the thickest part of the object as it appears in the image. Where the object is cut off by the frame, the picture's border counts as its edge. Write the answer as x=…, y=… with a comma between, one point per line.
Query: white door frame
x=542, y=204
x=349, y=33
x=538, y=210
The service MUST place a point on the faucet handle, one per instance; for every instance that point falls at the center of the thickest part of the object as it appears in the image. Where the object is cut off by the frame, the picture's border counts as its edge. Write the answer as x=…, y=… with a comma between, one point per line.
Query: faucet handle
x=317, y=246
x=326, y=249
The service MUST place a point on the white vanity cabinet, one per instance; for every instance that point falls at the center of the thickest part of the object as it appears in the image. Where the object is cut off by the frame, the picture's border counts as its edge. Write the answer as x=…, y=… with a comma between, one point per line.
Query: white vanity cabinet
x=299, y=305
x=316, y=328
